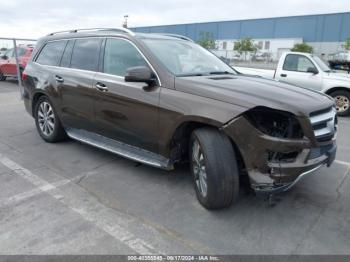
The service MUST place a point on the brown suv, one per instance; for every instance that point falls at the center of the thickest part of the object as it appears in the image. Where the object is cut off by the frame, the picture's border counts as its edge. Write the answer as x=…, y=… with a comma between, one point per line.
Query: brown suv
x=162, y=99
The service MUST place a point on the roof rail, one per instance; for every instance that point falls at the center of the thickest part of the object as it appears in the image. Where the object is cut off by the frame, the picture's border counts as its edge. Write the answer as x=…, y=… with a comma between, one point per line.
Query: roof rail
x=177, y=36
x=121, y=29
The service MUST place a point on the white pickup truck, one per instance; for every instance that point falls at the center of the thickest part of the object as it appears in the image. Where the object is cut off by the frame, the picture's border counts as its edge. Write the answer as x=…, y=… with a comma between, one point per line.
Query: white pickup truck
x=309, y=71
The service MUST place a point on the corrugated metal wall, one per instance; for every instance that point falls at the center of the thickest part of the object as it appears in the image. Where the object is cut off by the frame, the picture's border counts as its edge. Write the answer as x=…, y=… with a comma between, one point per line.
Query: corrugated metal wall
x=312, y=28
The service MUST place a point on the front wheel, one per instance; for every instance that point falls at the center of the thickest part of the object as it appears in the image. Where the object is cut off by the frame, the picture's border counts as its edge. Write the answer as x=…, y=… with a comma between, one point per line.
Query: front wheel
x=342, y=102
x=214, y=168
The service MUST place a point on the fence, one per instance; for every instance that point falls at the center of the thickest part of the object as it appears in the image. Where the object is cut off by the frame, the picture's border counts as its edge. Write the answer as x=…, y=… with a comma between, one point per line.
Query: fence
x=15, y=42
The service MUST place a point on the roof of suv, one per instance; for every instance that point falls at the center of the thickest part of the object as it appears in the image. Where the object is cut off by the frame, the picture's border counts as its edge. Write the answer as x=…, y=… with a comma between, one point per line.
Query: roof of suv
x=112, y=32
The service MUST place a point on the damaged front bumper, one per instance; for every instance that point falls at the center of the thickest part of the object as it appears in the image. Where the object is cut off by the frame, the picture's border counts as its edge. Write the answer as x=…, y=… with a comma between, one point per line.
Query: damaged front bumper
x=302, y=157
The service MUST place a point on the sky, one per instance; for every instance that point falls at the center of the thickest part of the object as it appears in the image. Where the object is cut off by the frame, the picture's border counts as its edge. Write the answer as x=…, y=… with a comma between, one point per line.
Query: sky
x=35, y=18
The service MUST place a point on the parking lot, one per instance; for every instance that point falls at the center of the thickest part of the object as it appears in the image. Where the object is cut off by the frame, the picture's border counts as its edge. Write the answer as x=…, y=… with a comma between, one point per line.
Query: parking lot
x=70, y=198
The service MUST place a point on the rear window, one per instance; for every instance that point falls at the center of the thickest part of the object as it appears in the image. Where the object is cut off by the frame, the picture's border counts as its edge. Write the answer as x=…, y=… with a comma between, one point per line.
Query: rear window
x=51, y=53
x=21, y=51
x=85, y=54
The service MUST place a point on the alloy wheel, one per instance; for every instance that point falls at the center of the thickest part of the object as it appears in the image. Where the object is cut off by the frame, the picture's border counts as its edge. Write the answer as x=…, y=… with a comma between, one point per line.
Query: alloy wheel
x=199, y=169
x=46, y=118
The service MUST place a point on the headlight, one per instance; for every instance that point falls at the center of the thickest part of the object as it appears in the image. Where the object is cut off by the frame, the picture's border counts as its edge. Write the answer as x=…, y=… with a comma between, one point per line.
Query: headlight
x=274, y=122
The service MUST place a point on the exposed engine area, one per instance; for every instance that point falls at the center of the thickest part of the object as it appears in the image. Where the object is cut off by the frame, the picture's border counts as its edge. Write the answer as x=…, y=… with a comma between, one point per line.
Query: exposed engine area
x=275, y=123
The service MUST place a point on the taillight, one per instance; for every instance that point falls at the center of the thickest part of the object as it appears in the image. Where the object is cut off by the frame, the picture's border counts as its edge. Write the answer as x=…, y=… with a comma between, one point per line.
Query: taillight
x=24, y=76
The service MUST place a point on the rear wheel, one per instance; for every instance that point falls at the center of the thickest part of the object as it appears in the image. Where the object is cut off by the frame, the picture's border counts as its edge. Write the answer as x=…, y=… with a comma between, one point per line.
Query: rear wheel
x=342, y=102
x=214, y=168
x=2, y=77
x=47, y=122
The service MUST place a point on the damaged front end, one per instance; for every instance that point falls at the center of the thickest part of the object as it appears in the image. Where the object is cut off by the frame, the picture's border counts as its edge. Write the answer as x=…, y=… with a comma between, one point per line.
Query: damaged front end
x=279, y=148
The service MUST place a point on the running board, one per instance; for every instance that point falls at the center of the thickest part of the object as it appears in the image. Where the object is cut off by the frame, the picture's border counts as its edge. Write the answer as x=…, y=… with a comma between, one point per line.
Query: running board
x=119, y=148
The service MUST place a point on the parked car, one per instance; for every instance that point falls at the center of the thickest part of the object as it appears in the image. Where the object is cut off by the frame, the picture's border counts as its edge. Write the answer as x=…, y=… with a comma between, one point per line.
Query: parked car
x=309, y=71
x=162, y=100
x=8, y=61
x=262, y=57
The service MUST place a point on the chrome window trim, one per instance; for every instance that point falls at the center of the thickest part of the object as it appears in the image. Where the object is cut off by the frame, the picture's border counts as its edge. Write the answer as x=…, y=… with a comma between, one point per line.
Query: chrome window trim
x=101, y=37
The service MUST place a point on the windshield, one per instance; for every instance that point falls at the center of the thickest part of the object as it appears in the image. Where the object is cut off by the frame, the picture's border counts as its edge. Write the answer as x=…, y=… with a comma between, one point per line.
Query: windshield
x=184, y=58
x=321, y=64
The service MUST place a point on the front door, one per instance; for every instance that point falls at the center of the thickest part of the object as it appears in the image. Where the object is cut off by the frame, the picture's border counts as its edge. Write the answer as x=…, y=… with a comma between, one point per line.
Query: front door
x=8, y=63
x=124, y=111
x=295, y=71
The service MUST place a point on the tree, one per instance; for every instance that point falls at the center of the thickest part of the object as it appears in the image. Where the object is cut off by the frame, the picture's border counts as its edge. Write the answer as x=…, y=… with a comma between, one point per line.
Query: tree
x=347, y=44
x=206, y=40
x=302, y=47
x=245, y=45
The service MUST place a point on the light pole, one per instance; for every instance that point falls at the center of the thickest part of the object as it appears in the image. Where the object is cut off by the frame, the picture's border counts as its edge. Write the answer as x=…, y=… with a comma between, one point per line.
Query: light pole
x=125, y=24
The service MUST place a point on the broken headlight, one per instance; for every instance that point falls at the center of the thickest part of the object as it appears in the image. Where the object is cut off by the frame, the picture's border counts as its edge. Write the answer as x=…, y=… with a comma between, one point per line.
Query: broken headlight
x=275, y=123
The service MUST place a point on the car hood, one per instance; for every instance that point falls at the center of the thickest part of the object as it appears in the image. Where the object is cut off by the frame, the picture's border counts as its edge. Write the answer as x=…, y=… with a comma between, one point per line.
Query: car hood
x=250, y=91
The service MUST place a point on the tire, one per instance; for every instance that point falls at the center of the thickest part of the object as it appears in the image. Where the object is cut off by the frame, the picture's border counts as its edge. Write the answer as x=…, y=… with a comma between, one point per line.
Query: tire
x=2, y=77
x=47, y=123
x=342, y=100
x=215, y=151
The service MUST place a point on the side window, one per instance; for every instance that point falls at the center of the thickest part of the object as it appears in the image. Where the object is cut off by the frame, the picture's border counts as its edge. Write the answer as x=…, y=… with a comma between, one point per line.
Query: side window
x=51, y=53
x=20, y=52
x=297, y=63
x=119, y=56
x=85, y=54
x=67, y=54
x=9, y=53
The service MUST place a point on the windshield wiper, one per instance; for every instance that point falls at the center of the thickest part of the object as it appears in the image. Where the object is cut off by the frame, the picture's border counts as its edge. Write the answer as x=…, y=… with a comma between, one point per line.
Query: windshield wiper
x=221, y=73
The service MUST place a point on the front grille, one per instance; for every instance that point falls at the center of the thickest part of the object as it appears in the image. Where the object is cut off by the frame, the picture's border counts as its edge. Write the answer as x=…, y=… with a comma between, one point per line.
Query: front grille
x=324, y=123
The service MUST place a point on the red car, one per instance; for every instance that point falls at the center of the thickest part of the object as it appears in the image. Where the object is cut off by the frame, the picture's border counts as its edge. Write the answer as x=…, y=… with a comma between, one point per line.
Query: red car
x=8, y=61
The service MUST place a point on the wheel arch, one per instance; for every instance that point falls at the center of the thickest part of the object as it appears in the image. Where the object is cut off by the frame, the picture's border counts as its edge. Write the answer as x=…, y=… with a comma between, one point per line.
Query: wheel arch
x=35, y=99
x=337, y=88
x=179, y=143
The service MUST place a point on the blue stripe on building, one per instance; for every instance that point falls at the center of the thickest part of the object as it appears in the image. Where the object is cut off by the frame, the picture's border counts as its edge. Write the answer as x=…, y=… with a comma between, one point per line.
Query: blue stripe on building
x=311, y=28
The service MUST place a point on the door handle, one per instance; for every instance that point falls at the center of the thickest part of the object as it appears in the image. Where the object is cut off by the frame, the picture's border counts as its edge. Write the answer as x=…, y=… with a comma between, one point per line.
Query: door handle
x=283, y=75
x=59, y=79
x=101, y=87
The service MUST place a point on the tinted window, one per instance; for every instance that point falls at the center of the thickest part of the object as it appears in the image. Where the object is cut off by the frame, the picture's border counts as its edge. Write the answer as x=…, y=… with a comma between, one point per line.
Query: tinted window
x=119, y=56
x=65, y=62
x=297, y=63
x=85, y=54
x=51, y=53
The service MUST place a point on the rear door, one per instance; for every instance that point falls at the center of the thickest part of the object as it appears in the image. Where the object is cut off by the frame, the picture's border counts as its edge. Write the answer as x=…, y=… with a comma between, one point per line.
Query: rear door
x=294, y=71
x=125, y=111
x=74, y=79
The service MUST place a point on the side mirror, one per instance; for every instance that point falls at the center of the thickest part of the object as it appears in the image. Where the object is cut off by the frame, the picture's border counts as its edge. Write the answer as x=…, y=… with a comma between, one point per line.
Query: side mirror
x=312, y=70
x=140, y=74
x=4, y=57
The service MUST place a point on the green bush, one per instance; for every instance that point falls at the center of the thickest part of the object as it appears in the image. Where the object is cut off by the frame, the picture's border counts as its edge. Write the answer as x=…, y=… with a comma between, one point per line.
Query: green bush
x=206, y=40
x=303, y=47
x=347, y=44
